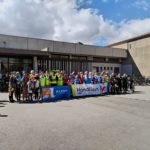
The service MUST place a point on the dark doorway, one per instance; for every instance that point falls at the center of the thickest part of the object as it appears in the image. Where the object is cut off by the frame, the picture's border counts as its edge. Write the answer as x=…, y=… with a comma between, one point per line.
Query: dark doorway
x=116, y=70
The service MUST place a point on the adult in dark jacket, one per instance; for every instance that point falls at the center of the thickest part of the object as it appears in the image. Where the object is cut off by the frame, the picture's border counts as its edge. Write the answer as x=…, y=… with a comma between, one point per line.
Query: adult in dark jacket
x=18, y=86
x=125, y=83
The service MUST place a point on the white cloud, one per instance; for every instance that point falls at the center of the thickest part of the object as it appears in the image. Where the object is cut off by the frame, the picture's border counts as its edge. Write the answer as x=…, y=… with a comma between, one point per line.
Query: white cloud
x=141, y=4
x=129, y=29
x=64, y=20
x=85, y=1
x=52, y=19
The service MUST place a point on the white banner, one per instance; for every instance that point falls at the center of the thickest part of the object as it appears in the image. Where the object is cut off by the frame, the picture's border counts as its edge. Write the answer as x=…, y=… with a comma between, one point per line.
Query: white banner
x=103, y=88
x=89, y=89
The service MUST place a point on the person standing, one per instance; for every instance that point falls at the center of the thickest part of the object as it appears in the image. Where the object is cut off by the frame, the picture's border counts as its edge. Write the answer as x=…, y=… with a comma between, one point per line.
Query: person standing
x=77, y=80
x=18, y=86
x=25, y=80
x=60, y=79
x=107, y=80
x=112, y=84
x=31, y=87
x=11, y=87
x=119, y=79
x=69, y=82
x=47, y=79
x=54, y=79
x=42, y=80
x=81, y=77
x=125, y=83
x=37, y=88
x=87, y=80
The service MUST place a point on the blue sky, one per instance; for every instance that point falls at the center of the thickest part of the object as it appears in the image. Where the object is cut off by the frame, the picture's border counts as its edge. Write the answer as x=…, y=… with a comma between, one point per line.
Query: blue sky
x=118, y=10
x=98, y=22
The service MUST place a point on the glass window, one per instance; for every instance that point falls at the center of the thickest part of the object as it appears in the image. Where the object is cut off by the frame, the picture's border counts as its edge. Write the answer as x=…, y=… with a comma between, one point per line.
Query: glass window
x=3, y=65
x=55, y=56
x=19, y=60
x=107, y=68
x=4, y=59
x=95, y=68
x=98, y=59
x=20, y=64
x=20, y=67
x=114, y=60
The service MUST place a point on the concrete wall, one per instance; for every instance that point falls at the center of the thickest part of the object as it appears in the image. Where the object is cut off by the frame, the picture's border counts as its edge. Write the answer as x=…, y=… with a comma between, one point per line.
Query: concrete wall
x=15, y=42
x=139, y=51
x=122, y=46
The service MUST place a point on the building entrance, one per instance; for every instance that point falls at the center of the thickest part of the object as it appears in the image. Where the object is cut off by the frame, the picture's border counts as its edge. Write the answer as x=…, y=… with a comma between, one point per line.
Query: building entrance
x=116, y=70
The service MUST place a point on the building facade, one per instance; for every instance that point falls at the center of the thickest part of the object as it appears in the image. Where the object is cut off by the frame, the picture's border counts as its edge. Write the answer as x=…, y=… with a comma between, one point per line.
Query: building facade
x=24, y=53
x=138, y=60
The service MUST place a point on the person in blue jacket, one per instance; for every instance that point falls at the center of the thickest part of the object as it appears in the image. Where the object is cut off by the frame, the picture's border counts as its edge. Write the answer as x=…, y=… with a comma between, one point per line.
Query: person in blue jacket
x=87, y=80
x=77, y=80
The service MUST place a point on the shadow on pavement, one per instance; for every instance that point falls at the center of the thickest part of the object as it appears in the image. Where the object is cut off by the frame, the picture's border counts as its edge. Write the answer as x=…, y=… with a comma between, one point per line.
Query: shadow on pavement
x=2, y=101
x=3, y=104
x=128, y=93
x=3, y=115
x=72, y=98
x=138, y=92
x=60, y=100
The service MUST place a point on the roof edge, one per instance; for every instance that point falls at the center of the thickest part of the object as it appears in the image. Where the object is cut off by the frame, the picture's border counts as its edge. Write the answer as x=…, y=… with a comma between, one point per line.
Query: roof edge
x=131, y=39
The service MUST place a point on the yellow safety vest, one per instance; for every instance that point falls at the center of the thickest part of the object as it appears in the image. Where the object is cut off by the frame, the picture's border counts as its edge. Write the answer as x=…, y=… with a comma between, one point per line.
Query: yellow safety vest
x=48, y=83
x=42, y=81
x=107, y=79
x=60, y=81
x=53, y=80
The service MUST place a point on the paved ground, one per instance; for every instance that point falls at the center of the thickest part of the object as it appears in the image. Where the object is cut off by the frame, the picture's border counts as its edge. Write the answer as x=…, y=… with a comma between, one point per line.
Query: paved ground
x=119, y=122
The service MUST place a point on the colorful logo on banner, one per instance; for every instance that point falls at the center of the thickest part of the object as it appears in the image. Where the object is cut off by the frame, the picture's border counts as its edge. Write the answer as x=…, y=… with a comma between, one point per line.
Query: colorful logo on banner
x=47, y=93
x=56, y=92
x=89, y=89
x=103, y=88
x=85, y=89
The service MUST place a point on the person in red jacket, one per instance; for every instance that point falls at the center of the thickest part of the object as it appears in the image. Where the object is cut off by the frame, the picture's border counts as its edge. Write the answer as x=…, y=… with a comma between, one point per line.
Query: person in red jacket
x=81, y=77
x=69, y=82
x=65, y=79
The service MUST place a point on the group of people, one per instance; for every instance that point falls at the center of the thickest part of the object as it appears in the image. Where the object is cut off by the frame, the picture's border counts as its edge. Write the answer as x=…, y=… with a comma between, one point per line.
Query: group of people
x=28, y=86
